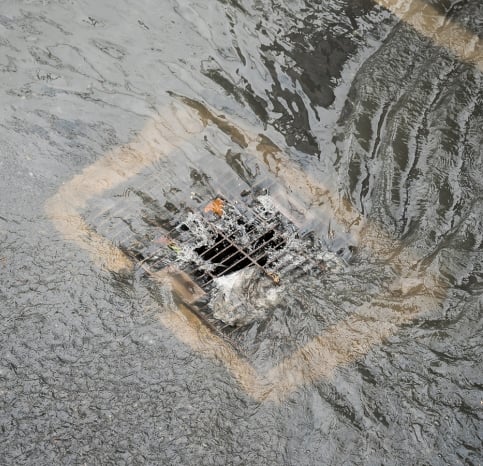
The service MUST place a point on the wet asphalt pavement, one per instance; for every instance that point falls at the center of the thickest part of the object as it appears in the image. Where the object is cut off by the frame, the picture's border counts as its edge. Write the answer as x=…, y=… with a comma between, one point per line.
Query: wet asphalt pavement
x=386, y=119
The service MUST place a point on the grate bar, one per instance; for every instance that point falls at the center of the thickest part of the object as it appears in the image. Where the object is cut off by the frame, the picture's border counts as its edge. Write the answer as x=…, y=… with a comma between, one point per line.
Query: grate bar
x=253, y=261
x=260, y=257
x=211, y=249
x=241, y=251
x=258, y=238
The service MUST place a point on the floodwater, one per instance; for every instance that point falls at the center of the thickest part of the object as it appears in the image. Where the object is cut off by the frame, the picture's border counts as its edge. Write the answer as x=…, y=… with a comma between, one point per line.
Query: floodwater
x=367, y=130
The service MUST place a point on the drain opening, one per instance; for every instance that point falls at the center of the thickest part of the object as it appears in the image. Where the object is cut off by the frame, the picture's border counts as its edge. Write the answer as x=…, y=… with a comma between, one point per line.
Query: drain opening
x=224, y=242
x=228, y=257
x=221, y=241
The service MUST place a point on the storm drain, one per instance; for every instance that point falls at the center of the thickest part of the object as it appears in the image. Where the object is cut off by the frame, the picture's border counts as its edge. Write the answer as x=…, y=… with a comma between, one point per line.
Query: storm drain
x=221, y=240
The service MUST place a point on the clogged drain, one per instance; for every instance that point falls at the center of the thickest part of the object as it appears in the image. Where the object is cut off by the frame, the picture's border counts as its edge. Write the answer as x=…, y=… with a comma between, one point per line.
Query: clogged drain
x=238, y=254
x=244, y=245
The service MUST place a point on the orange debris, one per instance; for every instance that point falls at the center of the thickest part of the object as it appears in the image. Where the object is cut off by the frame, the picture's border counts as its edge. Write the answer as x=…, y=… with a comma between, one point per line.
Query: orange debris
x=216, y=206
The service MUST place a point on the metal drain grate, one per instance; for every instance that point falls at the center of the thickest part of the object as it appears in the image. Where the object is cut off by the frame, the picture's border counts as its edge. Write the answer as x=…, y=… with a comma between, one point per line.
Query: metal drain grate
x=221, y=239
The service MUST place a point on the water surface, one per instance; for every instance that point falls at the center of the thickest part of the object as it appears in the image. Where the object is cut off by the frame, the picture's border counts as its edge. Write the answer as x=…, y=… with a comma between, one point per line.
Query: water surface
x=387, y=121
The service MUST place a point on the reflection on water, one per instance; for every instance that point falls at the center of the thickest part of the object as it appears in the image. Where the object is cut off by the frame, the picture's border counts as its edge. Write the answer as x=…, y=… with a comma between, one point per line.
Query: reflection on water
x=367, y=129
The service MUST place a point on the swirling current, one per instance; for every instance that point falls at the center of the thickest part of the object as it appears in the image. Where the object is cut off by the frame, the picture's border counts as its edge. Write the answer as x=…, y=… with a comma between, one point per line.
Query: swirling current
x=362, y=119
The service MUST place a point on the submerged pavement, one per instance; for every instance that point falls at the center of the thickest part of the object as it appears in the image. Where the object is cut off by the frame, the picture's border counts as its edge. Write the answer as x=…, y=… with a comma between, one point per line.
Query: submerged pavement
x=366, y=121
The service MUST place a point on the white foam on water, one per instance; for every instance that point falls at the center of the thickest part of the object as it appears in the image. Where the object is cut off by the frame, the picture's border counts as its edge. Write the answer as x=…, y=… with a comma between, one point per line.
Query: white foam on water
x=244, y=296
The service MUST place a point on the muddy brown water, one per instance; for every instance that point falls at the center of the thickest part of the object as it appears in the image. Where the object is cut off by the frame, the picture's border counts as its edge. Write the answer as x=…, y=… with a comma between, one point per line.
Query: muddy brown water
x=366, y=130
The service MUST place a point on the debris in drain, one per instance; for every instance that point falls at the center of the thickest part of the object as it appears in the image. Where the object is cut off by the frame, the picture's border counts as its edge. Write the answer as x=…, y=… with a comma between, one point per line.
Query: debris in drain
x=229, y=261
x=216, y=206
x=243, y=296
